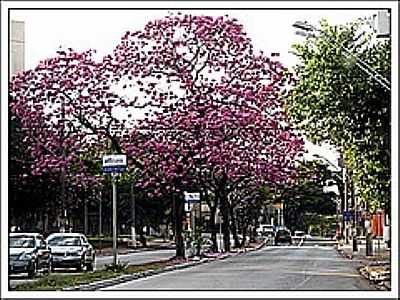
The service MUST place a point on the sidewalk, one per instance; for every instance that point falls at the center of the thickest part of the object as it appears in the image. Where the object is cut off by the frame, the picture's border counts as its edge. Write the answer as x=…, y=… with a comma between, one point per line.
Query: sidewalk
x=375, y=268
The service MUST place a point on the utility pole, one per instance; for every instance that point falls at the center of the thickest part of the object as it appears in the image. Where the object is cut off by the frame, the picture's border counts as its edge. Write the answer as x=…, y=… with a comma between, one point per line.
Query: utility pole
x=354, y=204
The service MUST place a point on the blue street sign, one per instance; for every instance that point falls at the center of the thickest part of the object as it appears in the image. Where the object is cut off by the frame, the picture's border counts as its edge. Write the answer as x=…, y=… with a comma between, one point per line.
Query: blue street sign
x=192, y=197
x=114, y=169
x=346, y=216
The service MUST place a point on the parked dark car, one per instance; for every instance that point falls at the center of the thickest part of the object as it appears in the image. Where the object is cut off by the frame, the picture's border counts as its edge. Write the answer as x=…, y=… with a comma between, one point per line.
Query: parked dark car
x=29, y=253
x=282, y=236
x=71, y=250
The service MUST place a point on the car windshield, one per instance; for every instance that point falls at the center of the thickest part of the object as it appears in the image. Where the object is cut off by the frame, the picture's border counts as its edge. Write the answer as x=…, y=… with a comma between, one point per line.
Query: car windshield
x=64, y=241
x=22, y=242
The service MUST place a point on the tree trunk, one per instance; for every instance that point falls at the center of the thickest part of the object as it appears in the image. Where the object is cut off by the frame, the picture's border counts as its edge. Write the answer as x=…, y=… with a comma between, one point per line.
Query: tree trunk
x=244, y=232
x=214, y=229
x=225, y=215
x=179, y=212
x=234, y=227
x=142, y=236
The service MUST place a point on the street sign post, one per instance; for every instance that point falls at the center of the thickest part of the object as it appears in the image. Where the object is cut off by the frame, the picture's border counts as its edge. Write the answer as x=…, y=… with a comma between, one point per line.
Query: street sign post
x=114, y=164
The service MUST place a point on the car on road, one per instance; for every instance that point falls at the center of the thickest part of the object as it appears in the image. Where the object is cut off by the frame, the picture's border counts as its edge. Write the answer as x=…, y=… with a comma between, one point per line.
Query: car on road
x=71, y=250
x=29, y=253
x=282, y=236
x=299, y=234
x=266, y=230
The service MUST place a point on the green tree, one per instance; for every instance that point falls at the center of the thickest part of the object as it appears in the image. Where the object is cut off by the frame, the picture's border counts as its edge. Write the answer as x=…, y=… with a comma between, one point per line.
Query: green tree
x=308, y=196
x=335, y=101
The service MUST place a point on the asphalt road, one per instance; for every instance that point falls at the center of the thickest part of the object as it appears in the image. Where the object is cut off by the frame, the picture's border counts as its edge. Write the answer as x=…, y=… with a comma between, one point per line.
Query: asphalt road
x=271, y=268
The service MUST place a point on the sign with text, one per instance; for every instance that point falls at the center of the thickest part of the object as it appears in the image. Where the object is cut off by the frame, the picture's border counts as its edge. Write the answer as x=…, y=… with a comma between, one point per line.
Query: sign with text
x=192, y=197
x=114, y=163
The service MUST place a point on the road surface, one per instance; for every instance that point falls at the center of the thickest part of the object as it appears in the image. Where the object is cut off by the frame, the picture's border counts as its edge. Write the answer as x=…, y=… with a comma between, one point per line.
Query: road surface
x=271, y=268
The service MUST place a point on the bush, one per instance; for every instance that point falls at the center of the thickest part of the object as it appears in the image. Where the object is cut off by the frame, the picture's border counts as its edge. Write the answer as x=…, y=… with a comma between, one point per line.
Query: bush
x=118, y=268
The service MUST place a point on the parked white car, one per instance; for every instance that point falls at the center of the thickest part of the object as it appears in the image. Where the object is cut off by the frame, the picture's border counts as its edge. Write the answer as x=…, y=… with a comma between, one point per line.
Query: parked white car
x=71, y=250
x=28, y=254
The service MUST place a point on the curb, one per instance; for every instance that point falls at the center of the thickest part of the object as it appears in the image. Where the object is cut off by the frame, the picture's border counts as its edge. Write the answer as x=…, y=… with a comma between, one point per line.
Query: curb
x=129, y=277
x=378, y=285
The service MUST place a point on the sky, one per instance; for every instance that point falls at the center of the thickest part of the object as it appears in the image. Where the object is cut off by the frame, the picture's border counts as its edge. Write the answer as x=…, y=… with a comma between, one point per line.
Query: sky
x=270, y=30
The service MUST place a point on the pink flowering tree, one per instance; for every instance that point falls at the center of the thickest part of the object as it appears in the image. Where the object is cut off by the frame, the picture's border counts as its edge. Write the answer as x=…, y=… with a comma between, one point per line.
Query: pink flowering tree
x=213, y=109
x=65, y=108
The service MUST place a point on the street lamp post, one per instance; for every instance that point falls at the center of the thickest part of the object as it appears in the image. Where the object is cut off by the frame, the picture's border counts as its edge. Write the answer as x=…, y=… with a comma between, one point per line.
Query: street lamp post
x=308, y=30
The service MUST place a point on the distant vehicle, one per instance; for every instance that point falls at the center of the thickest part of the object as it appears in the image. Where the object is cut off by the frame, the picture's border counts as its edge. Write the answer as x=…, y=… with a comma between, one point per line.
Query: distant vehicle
x=71, y=250
x=29, y=254
x=331, y=234
x=266, y=230
x=206, y=245
x=299, y=234
x=282, y=236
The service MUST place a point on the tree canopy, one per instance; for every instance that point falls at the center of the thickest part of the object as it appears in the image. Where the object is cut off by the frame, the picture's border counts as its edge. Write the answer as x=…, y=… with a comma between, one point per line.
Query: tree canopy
x=336, y=101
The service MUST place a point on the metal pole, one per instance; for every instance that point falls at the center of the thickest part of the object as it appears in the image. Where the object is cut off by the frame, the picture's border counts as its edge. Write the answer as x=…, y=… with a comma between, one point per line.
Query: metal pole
x=85, y=212
x=133, y=225
x=355, y=246
x=200, y=228
x=100, y=225
x=174, y=216
x=114, y=188
x=346, y=207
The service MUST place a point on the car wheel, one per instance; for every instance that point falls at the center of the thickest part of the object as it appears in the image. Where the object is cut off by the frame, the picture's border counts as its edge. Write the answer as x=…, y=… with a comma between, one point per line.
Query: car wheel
x=52, y=268
x=81, y=265
x=90, y=267
x=33, y=270
x=49, y=267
